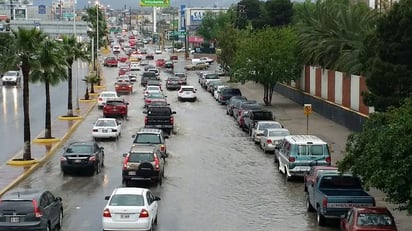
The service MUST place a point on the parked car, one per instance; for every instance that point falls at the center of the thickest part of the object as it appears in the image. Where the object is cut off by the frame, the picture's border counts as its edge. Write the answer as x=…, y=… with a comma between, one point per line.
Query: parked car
x=110, y=61
x=227, y=93
x=106, y=128
x=11, y=78
x=158, y=51
x=30, y=209
x=116, y=49
x=244, y=105
x=298, y=153
x=333, y=195
x=211, y=83
x=130, y=209
x=207, y=76
x=187, y=93
x=310, y=177
x=151, y=136
x=232, y=101
x=82, y=156
x=197, y=66
x=104, y=96
x=368, y=218
x=115, y=108
x=252, y=119
x=143, y=163
x=260, y=125
x=160, y=62
x=271, y=137
x=173, y=83
x=207, y=60
x=216, y=91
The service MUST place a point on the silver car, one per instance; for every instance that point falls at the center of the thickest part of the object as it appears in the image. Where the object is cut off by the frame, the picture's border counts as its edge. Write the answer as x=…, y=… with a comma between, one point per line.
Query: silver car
x=271, y=138
x=11, y=78
x=260, y=126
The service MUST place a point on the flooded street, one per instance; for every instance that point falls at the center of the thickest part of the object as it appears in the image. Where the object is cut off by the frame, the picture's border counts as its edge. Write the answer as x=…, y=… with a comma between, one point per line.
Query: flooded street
x=216, y=177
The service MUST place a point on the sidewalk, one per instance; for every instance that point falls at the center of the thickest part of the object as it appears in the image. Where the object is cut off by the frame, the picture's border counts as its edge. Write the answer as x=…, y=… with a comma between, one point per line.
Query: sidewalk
x=291, y=115
x=15, y=171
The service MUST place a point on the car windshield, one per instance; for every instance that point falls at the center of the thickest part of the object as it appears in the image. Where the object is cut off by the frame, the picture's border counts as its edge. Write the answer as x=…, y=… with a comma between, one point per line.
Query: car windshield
x=147, y=139
x=251, y=106
x=159, y=111
x=79, y=149
x=211, y=76
x=108, y=95
x=180, y=75
x=141, y=157
x=105, y=123
x=278, y=133
x=115, y=103
x=126, y=200
x=153, y=88
x=374, y=219
x=268, y=125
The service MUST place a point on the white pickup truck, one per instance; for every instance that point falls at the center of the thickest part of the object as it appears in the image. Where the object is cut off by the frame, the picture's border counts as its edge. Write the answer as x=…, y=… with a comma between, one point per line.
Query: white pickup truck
x=207, y=60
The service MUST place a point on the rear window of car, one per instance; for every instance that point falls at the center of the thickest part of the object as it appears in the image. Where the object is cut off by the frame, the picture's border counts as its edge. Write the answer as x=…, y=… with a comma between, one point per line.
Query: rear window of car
x=126, y=200
x=159, y=111
x=251, y=107
x=147, y=139
x=187, y=89
x=79, y=149
x=211, y=76
x=141, y=157
x=105, y=123
x=269, y=125
x=341, y=182
x=108, y=95
x=180, y=75
x=115, y=103
x=149, y=74
x=263, y=115
x=279, y=133
x=231, y=91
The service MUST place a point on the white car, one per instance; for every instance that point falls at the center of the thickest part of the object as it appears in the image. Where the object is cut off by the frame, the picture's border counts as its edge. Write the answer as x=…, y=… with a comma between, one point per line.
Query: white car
x=271, y=138
x=11, y=77
x=130, y=209
x=207, y=60
x=106, y=128
x=152, y=89
x=187, y=93
x=134, y=67
x=116, y=48
x=104, y=96
x=158, y=51
x=260, y=126
x=216, y=92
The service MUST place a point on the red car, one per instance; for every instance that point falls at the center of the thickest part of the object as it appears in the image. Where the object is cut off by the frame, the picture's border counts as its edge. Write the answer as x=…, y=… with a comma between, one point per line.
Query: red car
x=123, y=87
x=241, y=120
x=368, y=219
x=123, y=71
x=122, y=59
x=174, y=57
x=311, y=176
x=110, y=62
x=160, y=62
x=115, y=108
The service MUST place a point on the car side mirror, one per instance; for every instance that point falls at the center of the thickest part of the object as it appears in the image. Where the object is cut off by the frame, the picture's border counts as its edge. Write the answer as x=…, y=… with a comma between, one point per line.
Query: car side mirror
x=173, y=112
x=133, y=136
x=124, y=154
x=59, y=199
x=107, y=198
x=157, y=198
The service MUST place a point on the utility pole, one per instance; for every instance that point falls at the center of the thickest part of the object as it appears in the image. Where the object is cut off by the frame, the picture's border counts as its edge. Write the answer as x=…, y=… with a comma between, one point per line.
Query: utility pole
x=130, y=18
x=11, y=10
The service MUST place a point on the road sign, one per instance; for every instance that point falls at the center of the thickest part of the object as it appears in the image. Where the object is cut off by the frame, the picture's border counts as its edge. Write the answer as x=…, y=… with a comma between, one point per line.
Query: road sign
x=307, y=109
x=155, y=3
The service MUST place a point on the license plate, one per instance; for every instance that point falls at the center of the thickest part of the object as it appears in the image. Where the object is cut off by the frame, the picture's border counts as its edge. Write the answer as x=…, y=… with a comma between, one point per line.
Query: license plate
x=77, y=161
x=132, y=173
x=187, y=93
x=104, y=130
x=14, y=219
x=125, y=216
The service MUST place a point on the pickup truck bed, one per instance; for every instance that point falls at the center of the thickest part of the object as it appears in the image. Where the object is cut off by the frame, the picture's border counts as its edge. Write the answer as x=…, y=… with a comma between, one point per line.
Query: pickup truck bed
x=344, y=192
x=160, y=117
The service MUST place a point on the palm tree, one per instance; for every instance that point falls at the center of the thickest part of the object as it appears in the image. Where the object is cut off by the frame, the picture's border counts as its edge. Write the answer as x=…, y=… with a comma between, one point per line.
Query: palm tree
x=23, y=51
x=51, y=71
x=73, y=50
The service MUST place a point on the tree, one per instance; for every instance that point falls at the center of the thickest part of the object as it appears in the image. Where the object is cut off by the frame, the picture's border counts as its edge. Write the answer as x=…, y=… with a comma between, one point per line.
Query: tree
x=388, y=65
x=211, y=25
x=278, y=12
x=267, y=57
x=51, y=71
x=227, y=41
x=331, y=34
x=381, y=154
x=73, y=50
x=23, y=51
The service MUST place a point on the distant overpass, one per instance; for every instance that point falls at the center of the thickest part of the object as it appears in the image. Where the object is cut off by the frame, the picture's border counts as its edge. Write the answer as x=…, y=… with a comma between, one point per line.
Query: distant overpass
x=52, y=28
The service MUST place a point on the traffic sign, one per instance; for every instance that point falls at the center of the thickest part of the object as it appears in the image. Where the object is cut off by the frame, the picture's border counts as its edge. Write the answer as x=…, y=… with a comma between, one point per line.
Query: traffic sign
x=307, y=109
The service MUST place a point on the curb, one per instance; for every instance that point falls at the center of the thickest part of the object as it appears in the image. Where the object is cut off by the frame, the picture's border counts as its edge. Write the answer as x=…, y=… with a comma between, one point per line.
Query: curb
x=39, y=163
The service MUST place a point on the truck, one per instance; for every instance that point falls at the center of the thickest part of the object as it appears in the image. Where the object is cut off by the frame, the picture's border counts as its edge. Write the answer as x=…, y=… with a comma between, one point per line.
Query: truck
x=332, y=194
x=160, y=117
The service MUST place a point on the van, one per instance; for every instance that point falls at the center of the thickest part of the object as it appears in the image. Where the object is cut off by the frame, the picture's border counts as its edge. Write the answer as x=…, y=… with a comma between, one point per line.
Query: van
x=298, y=153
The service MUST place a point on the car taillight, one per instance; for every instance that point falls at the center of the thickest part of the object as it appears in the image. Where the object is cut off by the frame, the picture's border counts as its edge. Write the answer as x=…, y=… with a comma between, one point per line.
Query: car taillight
x=106, y=213
x=268, y=141
x=162, y=148
x=95, y=130
x=145, y=120
x=172, y=120
x=37, y=212
x=325, y=202
x=241, y=120
x=291, y=159
x=144, y=213
x=125, y=161
x=157, y=166
x=328, y=159
x=239, y=112
x=100, y=99
x=92, y=158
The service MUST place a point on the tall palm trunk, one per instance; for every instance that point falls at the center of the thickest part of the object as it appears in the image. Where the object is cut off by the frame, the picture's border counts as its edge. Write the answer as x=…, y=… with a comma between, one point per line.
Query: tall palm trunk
x=47, y=125
x=26, y=111
x=70, y=90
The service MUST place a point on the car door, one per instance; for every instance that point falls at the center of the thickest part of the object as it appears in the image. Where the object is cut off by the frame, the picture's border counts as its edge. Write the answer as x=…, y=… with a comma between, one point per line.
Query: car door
x=97, y=152
x=45, y=206
x=54, y=208
x=152, y=203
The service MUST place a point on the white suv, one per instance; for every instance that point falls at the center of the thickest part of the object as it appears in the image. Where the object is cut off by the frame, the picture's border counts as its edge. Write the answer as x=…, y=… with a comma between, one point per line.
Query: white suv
x=187, y=93
x=11, y=77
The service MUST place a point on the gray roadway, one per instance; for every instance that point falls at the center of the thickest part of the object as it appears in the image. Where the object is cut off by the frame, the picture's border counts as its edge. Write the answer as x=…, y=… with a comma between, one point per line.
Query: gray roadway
x=11, y=110
x=216, y=178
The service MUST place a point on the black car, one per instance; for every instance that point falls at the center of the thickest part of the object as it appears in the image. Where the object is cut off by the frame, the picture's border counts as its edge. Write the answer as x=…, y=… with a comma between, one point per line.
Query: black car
x=230, y=104
x=82, y=156
x=182, y=76
x=146, y=76
x=226, y=93
x=173, y=83
x=30, y=210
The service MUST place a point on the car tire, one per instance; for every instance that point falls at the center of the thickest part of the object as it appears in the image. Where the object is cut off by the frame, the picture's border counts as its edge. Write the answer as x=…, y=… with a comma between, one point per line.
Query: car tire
x=309, y=207
x=320, y=219
x=59, y=224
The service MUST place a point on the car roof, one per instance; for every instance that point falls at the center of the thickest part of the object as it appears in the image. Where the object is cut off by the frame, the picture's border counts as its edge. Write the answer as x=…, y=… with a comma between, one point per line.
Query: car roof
x=107, y=119
x=82, y=143
x=142, y=148
x=267, y=121
x=25, y=194
x=149, y=130
x=129, y=190
x=277, y=129
x=108, y=92
x=304, y=139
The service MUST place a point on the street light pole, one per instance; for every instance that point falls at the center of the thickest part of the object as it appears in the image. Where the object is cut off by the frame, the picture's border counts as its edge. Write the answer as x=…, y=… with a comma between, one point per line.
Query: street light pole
x=97, y=34
x=77, y=61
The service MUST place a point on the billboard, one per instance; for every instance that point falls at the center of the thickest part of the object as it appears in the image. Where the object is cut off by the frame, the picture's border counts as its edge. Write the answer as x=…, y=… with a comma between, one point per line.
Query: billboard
x=197, y=14
x=155, y=3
